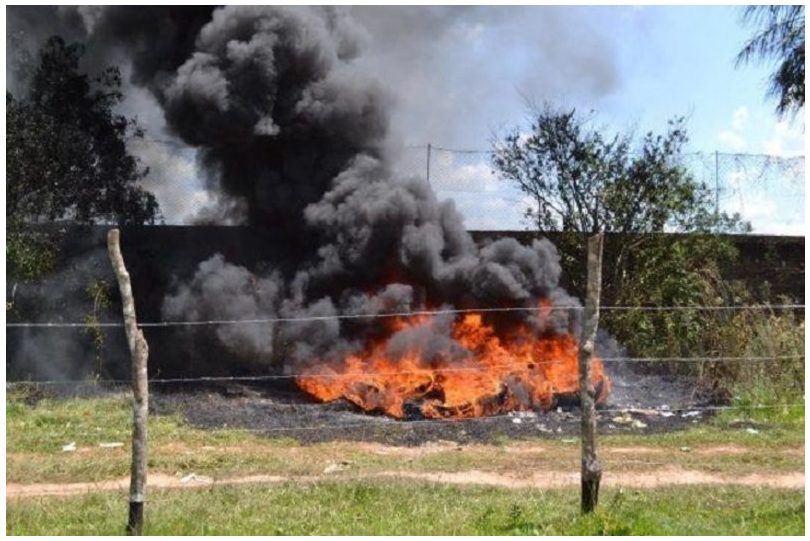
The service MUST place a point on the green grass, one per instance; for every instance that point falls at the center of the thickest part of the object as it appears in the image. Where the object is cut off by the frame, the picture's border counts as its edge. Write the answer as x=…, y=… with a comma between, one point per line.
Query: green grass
x=36, y=434
x=412, y=508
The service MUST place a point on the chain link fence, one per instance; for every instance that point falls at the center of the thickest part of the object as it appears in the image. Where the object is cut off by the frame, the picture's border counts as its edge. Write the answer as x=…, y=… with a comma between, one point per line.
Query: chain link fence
x=766, y=190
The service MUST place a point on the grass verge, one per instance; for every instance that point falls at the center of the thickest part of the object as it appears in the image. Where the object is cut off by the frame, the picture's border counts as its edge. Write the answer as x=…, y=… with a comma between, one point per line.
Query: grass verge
x=36, y=434
x=413, y=508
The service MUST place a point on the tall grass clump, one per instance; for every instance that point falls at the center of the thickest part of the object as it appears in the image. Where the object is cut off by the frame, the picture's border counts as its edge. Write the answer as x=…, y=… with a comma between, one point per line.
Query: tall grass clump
x=752, y=333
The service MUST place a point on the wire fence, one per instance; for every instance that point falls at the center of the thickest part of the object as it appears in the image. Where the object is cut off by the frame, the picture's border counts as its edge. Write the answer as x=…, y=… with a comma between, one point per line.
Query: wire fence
x=740, y=182
x=764, y=189
x=409, y=314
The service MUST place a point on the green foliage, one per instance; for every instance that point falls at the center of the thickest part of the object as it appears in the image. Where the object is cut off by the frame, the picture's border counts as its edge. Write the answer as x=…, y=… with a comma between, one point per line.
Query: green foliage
x=778, y=382
x=780, y=38
x=584, y=181
x=29, y=255
x=66, y=148
x=98, y=291
x=760, y=332
x=676, y=271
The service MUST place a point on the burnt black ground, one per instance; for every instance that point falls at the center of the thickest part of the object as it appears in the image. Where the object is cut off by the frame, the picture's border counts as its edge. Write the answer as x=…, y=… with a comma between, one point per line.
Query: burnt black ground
x=638, y=403
x=273, y=415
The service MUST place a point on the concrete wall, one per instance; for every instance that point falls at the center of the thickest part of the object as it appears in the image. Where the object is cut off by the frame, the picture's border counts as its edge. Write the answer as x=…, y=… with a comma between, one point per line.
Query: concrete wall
x=159, y=256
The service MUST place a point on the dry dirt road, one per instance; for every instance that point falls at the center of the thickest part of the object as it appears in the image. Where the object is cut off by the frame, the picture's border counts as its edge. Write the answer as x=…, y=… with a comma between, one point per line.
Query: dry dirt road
x=662, y=475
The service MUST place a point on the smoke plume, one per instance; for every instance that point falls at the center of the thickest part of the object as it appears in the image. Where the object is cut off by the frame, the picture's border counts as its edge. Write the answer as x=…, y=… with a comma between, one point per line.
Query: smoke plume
x=292, y=132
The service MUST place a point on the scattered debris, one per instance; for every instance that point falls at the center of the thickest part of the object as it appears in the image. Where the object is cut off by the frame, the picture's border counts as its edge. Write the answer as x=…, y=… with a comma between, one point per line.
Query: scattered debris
x=685, y=449
x=752, y=430
x=638, y=424
x=341, y=420
x=516, y=421
x=194, y=478
x=70, y=447
x=333, y=467
x=691, y=414
x=667, y=414
x=623, y=419
x=523, y=414
x=110, y=445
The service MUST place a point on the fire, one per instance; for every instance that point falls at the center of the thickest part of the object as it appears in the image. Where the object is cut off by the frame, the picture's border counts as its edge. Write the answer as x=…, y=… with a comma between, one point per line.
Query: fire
x=514, y=371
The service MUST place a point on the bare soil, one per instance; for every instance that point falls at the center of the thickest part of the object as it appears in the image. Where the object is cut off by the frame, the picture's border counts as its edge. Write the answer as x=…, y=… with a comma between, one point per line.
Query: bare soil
x=668, y=476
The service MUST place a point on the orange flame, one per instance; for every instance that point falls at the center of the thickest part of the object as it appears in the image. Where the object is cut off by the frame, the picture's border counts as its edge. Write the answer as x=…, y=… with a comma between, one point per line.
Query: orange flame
x=517, y=371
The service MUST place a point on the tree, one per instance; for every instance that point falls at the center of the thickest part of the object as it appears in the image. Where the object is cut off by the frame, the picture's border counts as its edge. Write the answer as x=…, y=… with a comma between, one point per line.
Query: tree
x=780, y=38
x=66, y=147
x=582, y=182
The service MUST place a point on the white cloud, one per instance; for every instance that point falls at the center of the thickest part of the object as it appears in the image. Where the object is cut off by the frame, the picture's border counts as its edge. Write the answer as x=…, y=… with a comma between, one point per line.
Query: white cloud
x=767, y=202
x=786, y=139
x=740, y=118
x=476, y=177
x=732, y=139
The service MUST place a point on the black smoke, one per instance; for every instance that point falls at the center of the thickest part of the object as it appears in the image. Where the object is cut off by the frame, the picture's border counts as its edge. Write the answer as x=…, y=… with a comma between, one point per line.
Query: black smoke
x=292, y=133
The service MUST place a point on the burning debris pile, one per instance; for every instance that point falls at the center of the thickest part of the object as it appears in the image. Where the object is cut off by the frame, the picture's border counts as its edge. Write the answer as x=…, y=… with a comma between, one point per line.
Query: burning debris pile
x=292, y=136
x=497, y=373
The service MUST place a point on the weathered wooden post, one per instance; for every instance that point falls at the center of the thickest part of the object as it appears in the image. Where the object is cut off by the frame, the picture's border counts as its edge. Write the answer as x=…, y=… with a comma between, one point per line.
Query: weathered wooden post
x=591, y=469
x=140, y=390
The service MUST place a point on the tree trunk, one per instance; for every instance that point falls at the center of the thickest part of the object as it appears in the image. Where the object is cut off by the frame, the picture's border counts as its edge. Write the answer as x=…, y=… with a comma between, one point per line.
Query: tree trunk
x=140, y=390
x=591, y=469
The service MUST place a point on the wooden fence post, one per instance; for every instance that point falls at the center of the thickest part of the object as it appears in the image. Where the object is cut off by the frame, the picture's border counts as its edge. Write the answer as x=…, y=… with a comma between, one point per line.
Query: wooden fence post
x=591, y=469
x=140, y=390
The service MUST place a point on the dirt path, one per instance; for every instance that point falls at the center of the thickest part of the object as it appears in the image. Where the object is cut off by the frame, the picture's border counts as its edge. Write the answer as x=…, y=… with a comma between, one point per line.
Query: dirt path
x=540, y=479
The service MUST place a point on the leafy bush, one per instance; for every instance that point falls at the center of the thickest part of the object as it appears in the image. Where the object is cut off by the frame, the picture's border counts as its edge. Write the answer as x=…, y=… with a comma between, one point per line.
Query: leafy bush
x=687, y=278
x=29, y=255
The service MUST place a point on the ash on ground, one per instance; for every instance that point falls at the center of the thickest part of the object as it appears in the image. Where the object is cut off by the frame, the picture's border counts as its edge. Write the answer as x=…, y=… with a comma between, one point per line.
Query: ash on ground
x=638, y=403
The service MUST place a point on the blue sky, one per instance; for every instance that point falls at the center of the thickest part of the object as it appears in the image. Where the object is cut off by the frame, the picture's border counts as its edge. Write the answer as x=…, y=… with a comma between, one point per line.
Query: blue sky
x=644, y=66
x=461, y=77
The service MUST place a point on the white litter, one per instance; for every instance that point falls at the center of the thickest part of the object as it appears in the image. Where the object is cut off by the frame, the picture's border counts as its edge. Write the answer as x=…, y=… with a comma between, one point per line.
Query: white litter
x=752, y=430
x=70, y=447
x=516, y=421
x=194, y=478
x=110, y=445
x=690, y=414
x=332, y=468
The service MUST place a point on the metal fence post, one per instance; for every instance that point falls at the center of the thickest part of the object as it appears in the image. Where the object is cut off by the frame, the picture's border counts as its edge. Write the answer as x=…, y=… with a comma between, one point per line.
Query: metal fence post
x=716, y=184
x=428, y=164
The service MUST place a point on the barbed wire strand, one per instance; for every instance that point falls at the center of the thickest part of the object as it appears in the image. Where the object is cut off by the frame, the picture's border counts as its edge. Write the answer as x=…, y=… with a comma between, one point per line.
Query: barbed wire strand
x=422, y=371
x=379, y=423
x=414, y=313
